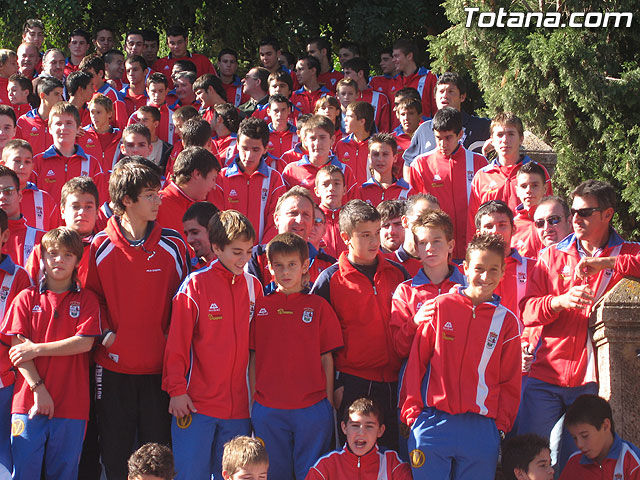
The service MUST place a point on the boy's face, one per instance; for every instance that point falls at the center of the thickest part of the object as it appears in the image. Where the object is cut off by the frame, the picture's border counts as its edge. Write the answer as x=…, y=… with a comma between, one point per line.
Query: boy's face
x=78, y=46
x=392, y=234
x=278, y=113
x=330, y=189
x=433, y=246
x=205, y=97
x=198, y=237
x=362, y=431
x=157, y=93
x=318, y=143
x=10, y=66
x=10, y=197
x=150, y=50
x=364, y=242
x=135, y=72
x=147, y=120
x=401, y=60
x=99, y=115
x=178, y=45
x=104, y=41
x=506, y=140
x=250, y=151
x=497, y=223
x=228, y=65
x=304, y=74
x=295, y=215
x=17, y=96
x=381, y=157
x=145, y=207
x=530, y=189
x=538, y=469
x=344, y=54
x=328, y=111
x=447, y=141
x=79, y=213
x=7, y=129
x=133, y=44
x=235, y=255
x=34, y=35
x=200, y=185
x=409, y=118
x=249, y=472
x=277, y=87
x=386, y=64
x=135, y=144
x=484, y=272
x=268, y=57
x=20, y=160
x=346, y=95
x=594, y=443
x=184, y=89
x=287, y=269
x=448, y=95
x=59, y=263
x=63, y=129
x=51, y=98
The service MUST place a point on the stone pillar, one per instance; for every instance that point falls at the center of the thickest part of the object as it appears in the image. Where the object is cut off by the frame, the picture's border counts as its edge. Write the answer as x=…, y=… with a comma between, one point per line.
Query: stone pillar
x=539, y=151
x=616, y=333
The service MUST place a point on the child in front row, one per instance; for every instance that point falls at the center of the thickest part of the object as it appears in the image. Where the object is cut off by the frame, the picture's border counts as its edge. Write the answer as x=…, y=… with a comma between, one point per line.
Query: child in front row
x=526, y=457
x=461, y=386
x=244, y=458
x=151, y=461
x=53, y=326
x=361, y=457
x=292, y=338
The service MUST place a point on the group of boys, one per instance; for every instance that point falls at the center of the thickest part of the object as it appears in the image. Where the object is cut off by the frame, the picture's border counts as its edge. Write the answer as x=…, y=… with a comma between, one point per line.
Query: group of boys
x=250, y=220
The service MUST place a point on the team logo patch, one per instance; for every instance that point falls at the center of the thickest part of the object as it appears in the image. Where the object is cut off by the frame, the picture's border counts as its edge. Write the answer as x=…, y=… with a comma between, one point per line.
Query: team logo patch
x=469, y=175
x=4, y=293
x=282, y=311
x=417, y=458
x=263, y=312
x=265, y=194
x=36, y=309
x=618, y=476
x=492, y=340
x=307, y=315
x=214, y=307
x=448, y=326
x=74, y=309
x=522, y=277
x=39, y=212
x=17, y=427
x=184, y=422
x=565, y=272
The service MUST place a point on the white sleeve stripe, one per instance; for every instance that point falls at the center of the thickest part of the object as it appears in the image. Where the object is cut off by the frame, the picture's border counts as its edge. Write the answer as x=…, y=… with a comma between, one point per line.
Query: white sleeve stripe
x=489, y=347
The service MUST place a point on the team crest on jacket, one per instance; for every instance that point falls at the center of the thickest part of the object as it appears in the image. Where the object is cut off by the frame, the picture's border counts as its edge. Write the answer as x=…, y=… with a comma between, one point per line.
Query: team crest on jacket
x=522, y=277
x=265, y=194
x=417, y=458
x=469, y=175
x=492, y=340
x=74, y=309
x=307, y=315
x=39, y=212
x=4, y=293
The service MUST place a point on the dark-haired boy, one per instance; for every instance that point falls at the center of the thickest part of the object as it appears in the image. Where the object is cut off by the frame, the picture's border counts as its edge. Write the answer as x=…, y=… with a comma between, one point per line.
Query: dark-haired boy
x=129, y=401
x=320, y=49
x=408, y=111
x=194, y=223
x=225, y=123
x=530, y=188
x=20, y=93
x=206, y=359
x=405, y=55
x=353, y=150
x=79, y=87
x=283, y=136
x=135, y=93
x=151, y=461
x=448, y=173
x=79, y=42
x=114, y=69
x=8, y=127
x=361, y=457
x=227, y=68
x=526, y=457
x=329, y=188
x=307, y=71
x=384, y=83
x=95, y=65
x=367, y=366
x=391, y=229
x=178, y=41
x=210, y=92
x=357, y=69
x=151, y=117
x=157, y=87
x=292, y=338
x=103, y=39
x=473, y=405
x=150, y=45
x=603, y=454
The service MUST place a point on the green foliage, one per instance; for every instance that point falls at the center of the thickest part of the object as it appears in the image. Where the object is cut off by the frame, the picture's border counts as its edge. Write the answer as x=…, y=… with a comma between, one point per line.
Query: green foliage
x=576, y=88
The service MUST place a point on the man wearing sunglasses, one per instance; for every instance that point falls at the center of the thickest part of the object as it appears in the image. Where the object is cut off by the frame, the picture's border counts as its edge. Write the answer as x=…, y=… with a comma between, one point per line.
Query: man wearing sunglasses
x=552, y=220
x=561, y=302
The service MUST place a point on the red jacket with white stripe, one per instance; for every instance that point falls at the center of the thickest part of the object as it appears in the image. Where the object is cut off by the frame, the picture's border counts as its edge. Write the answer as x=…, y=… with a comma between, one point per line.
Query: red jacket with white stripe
x=281, y=142
x=207, y=352
x=22, y=239
x=621, y=463
x=471, y=358
x=134, y=284
x=333, y=243
x=449, y=180
x=39, y=208
x=424, y=81
x=565, y=354
x=380, y=104
x=374, y=193
x=354, y=153
x=374, y=465
x=225, y=148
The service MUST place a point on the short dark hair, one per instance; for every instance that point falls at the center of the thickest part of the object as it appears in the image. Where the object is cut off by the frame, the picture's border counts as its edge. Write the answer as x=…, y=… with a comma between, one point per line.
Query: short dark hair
x=201, y=212
x=193, y=159
x=152, y=459
x=406, y=46
x=93, y=61
x=434, y=219
x=447, y=119
x=228, y=51
x=490, y=207
x=533, y=168
x=32, y=23
x=323, y=44
x=385, y=139
x=154, y=111
x=407, y=92
x=47, y=85
x=410, y=102
x=263, y=76
x=177, y=31
x=185, y=66
x=271, y=41
x=281, y=76
x=390, y=209
x=24, y=82
x=288, y=243
x=114, y=52
x=358, y=64
x=353, y=47
x=8, y=111
x=355, y=212
x=4, y=221
x=329, y=170
x=601, y=191
x=229, y=115
x=76, y=80
x=550, y=199
x=150, y=35
x=255, y=128
x=452, y=78
x=133, y=59
x=157, y=77
x=138, y=128
x=489, y=242
x=78, y=32
x=279, y=99
x=413, y=200
x=129, y=180
x=7, y=172
x=518, y=452
x=312, y=63
x=364, y=406
x=79, y=185
x=186, y=112
x=210, y=80
x=589, y=409
x=196, y=132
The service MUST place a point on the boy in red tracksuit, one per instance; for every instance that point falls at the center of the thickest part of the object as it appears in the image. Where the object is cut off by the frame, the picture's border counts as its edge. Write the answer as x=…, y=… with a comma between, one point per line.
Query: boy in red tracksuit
x=282, y=134
x=368, y=365
x=330, y=190
x=447, y=173
x=460, y=409
x=353, y=150
x=383, y=185
x=135, y=266
x=292, y=338
x=33, y=126
x=361, y=457
x=530, y=188
x=248, y=184
x=101, y=112
x=207, y=354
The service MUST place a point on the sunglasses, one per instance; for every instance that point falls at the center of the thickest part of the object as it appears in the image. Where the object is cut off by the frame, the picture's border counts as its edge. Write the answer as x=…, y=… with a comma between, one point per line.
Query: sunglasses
x=552, y=220
x=585, y=212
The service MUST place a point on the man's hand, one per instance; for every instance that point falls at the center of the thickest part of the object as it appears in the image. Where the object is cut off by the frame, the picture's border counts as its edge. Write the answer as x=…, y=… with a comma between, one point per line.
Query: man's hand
x=589, y=266
x=42, y=403
x=23, y=352
x=578, y=296
x=181, y=406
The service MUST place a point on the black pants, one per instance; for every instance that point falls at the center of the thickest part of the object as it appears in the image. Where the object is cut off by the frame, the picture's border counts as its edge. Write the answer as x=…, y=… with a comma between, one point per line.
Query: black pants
x=90, y=468
x=385, y=394
x=129, y=408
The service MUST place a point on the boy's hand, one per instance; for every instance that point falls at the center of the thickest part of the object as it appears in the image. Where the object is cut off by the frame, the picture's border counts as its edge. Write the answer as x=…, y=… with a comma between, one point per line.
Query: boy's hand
x=81, y=133
x=42, y=403
x=426, y=313
x=181, y=406
x=23, y=352
x=527, y=357
x=111, y=340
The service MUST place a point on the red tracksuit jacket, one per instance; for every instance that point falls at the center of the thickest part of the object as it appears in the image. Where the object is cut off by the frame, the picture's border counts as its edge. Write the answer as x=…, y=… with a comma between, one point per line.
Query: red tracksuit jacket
x=621, y=463
x=375, y=465
x=526, y=238
x=374, y=193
